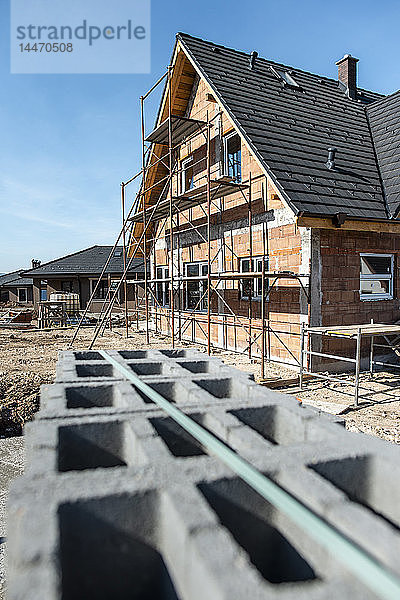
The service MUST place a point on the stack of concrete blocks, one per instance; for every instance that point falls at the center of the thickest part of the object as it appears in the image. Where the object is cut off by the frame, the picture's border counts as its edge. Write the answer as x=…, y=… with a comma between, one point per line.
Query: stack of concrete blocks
x=119, y=502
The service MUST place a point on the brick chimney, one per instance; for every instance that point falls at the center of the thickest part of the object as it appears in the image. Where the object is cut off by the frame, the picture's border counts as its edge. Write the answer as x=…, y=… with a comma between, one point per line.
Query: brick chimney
x=347, y=75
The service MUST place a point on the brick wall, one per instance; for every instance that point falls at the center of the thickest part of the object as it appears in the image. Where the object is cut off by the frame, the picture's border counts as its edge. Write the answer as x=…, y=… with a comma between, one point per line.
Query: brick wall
x=273, y=228
x=340, y=282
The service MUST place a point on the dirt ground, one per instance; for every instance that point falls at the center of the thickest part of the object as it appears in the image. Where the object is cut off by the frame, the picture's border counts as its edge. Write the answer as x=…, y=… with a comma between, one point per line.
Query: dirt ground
x=28, y=359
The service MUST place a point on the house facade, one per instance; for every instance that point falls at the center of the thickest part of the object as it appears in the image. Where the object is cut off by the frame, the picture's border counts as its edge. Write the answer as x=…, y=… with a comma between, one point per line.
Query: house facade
x=79, y=273
x=16, y=289
x=257, y=167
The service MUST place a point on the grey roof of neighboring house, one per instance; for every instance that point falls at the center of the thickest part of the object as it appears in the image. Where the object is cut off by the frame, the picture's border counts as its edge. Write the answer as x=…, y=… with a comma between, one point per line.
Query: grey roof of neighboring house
x=290, y=130
x=86, y=262
x=384, y=119
x=19, y=282
x=9, y=276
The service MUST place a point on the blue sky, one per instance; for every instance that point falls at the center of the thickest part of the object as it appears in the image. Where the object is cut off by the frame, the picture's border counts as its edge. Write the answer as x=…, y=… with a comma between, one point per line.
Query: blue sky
x=67, y=141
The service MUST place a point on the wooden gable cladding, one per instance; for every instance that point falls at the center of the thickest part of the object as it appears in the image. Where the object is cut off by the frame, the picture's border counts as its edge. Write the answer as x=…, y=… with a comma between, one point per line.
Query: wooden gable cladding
x=183, y=77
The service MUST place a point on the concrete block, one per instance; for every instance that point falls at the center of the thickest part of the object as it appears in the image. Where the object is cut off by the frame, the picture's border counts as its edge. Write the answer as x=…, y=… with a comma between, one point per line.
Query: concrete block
x=117, y=500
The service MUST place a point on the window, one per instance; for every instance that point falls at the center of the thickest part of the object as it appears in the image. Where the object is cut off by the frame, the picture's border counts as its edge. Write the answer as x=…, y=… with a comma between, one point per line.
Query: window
x=43, y=294
x=102, y=290
x=162, y=289
x=285, y=77
x=22, y=295
x=118, y=253
x=187, y=182
x=252, y=287
x=376, y=276
x=66, y=286
x=233, y=157
x=196, y=297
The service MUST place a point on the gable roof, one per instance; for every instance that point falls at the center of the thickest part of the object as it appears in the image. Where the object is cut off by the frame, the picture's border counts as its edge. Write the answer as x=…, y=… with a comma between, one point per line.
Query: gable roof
x=384, y=120
x=86, y=262
x=290, y=130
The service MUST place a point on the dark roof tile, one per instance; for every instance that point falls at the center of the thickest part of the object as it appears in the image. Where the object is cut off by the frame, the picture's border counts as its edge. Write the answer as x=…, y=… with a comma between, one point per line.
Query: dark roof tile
x=290, y=130
x=86, y=262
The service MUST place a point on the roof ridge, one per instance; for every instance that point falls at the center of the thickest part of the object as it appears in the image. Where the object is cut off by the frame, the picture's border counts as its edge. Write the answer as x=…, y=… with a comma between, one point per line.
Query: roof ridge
x=381, y=100
x=11, y=272
x=272, y=62
x=61, y=258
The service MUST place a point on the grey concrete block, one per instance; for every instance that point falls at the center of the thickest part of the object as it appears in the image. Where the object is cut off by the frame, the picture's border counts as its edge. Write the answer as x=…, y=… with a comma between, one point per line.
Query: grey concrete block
x=119, y=501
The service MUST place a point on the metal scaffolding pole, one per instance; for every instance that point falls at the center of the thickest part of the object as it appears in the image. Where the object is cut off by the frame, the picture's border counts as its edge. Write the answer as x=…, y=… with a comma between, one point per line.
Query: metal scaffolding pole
x=208, y=240
x=124, y=258
x=171, y=225
x=144, y=199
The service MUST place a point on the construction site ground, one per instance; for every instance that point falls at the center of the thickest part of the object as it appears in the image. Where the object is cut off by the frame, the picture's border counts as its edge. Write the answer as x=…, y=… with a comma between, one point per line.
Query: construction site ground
x=28, y=359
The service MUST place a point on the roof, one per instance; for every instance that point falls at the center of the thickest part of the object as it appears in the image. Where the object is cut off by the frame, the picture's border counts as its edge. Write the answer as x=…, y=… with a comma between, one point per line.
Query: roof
x=9, y=276
x=19, y=282
x=384, y=121
x=86, y=262
x=291, y=128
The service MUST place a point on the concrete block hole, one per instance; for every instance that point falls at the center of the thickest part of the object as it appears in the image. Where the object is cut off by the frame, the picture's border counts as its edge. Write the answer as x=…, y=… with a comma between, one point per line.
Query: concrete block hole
x=108, y=550
x=275, y=424
x=94, y=370
x=88, y=356
x=179, y=442
x=368, y=480
x=175, y=353
x=173, y=391
x=144, y=368
x=131, y=354
x=220, y=388
x=250, y=520
x=197, y=366
x=94, y=445
x=90, y=396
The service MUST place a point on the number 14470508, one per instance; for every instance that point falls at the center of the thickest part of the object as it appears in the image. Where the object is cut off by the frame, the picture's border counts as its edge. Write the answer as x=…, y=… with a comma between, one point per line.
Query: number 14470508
x=46, y=47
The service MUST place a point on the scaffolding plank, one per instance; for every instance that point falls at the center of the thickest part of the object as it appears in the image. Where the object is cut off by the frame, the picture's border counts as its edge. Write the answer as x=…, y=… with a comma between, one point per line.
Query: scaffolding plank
x=198, y=195
x=367, y=329
x=182, y=128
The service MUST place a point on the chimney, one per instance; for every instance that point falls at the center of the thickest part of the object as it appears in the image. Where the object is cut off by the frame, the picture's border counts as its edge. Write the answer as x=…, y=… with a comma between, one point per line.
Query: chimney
x=252, y=60
x=347, y=75
x=35, y=263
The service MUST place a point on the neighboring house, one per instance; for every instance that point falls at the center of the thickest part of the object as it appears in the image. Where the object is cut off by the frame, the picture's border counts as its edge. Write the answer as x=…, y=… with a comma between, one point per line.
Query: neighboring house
x=14, y=288
x=79, y=273
x=304, y=174
x=20, y=290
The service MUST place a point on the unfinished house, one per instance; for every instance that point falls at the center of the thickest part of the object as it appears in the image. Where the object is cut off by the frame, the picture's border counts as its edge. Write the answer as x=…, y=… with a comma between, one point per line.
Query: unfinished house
x=270, y=199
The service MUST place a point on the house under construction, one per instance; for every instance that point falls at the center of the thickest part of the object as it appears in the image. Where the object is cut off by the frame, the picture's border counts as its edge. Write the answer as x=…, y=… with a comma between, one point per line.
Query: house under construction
x=269, y=199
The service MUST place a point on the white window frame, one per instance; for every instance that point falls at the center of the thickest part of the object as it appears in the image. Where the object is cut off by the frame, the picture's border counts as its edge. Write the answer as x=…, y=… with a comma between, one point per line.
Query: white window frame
x=26, y=295
x=377, y=277
x=226, y=139
x=257, y=268
x=184, y=165
x=164, y=286
x=202, y=286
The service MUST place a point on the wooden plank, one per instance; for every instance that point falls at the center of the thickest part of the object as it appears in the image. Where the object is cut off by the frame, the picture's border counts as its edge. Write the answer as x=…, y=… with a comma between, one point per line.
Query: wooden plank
x=277, y=382
x=350, y=225
x=351, y=330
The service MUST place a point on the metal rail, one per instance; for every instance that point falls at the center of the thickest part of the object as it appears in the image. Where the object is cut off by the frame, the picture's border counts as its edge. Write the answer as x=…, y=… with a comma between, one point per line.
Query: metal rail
x=372, y=573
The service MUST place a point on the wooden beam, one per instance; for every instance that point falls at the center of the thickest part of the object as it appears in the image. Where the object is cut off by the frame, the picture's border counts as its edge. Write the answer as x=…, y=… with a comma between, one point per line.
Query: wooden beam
x=350, y=225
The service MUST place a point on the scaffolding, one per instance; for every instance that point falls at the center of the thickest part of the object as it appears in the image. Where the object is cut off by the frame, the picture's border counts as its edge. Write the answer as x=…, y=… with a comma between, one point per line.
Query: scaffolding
x=164, y=219
x=356, y=333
